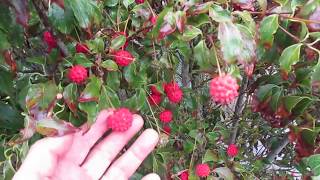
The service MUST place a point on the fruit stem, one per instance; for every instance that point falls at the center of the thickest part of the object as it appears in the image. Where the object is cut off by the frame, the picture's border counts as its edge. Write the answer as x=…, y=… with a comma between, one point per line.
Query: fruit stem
x=104, y=135
x=217, y=60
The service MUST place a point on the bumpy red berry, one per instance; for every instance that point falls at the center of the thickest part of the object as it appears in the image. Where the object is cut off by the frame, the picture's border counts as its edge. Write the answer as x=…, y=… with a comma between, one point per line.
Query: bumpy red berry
x=82, y=48
x=167, y=129
x=224, y=89
x=153, y=19
x=173, y=92
x=154, y=90
x=203, y=170
x=139, y=1
x=166, y=116
x=184, y=175
x=120, y=120
x=123, y=58
x=154, y=99
x=232, y=150
x=78, y=74
x=50, y=40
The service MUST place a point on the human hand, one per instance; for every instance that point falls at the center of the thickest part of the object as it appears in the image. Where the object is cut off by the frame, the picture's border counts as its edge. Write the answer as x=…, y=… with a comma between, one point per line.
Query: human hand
x=59, y=158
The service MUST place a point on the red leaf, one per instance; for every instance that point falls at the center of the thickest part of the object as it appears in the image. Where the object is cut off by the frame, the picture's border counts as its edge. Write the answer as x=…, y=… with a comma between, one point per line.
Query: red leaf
x=21, y=9
x=59, y=2
x=181, y=20
x=199, y=9
x=165, y=30
x=10, y=61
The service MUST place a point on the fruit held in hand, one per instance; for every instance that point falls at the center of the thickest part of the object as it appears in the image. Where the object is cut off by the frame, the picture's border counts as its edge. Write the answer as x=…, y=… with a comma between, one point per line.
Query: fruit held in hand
x=165, y=116
x=123, y=58
x=202, y=170
x=120, y=120
x=224, y=89
x=232, y=150
x=50, y=40
x=173, y=92
x=78, y=74
x=82, y=48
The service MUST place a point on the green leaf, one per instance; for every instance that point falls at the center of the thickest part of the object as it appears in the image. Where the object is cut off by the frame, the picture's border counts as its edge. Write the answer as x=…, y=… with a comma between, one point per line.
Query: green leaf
x=198, y=20
x=111, y=3
x=81, y=59
x=190, y=33
x=96, y=45
x=118, y=42
x=247, y=20
x=40, y=96
x=313, y=162
x=218, y=14
x=224, y=173
x=86, y=12
x=108, y=99
x=315, y=77
x=62, y=19
x=137, y=101
x=135, y=78
x=268, y=27
x=6, y=82
x=127, y=3
x=210, y=156
x=181, y=19
x=290, y=56
x=275, y=99
x=4, y=43
x=113, y=80
x=205, y=58
x=91, y=109
x=291, y=102
x=265, y=91
x=92, y=90
x=70, y=96
x=37, y=60
x=109, y=65
x=281, y=2
x=309, y=136
x=10, y=118
x=230, y=39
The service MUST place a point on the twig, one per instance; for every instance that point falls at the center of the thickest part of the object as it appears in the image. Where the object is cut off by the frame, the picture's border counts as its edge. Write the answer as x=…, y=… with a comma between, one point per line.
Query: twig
x=273, y=154
x=289, y=34
x=307, y=21
x=238, y=109
x=45, y=21
x=139, y=31
x=298, y=40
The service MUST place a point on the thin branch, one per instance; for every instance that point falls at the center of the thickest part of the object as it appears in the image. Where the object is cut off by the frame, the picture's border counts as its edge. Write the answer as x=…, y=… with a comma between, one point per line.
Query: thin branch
x=307, y=21
x=45, y=21
x=298, y=40
x=274, y=153
x=239, y=109
x=289, y=34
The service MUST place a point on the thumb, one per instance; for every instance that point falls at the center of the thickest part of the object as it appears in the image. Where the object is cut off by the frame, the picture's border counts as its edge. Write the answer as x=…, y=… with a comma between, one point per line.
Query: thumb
x=43, y=157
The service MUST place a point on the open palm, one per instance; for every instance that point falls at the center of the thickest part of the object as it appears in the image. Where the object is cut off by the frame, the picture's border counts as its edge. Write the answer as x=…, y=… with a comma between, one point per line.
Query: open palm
x=59, y=158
